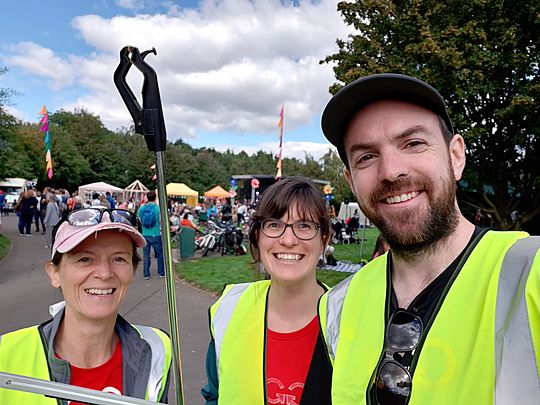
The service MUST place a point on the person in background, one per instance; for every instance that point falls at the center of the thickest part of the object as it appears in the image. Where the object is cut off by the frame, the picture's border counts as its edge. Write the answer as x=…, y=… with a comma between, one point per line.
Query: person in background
x=185, y=221
x=197, y=210
x=79, y=202
x=226, y=211
x=266, y=345
x=111, y=200
x=131, y=205
x=87, y=343
x=241, y=213
x=37, y=211
x=2, y=202
x=103, y=201
x=212, y=212
x=331, y=210
x=151, y=230
x=71, y=201
x=95, y=200
x=123, y=205
x=27, y=206
x=43, y=209
x=451, y=314
x=381, y=247
x=52, y=217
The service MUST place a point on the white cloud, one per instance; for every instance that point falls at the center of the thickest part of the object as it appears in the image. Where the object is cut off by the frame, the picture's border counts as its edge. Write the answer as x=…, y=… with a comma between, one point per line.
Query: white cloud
x=291, y=149
x=130, y=4
x=227, y=66
x=42, y=62
x=16, y=113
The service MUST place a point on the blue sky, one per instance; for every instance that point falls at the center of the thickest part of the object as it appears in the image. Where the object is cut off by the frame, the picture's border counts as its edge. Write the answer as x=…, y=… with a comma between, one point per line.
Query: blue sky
x=225, y=67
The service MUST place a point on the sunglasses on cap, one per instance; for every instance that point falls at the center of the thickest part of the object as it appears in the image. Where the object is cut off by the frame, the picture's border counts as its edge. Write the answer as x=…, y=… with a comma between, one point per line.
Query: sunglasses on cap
x=93, y=216
x=393, y=383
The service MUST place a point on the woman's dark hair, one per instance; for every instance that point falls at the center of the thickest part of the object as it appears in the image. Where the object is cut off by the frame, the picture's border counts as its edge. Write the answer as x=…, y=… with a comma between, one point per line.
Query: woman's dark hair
x=185, y=216
x=282, y=197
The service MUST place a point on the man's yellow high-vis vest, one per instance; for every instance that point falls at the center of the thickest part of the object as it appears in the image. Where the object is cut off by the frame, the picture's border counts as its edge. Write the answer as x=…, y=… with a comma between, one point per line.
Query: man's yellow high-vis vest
x=483, y=346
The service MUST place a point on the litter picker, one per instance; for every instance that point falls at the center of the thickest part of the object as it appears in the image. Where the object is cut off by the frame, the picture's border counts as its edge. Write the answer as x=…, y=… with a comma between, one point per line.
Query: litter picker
x=66, y=391
x=149, y=122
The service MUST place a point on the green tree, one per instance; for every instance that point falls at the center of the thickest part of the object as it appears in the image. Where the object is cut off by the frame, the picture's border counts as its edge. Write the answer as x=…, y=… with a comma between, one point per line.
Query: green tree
x=11, y=162
x=333, y=172
x=483, y=56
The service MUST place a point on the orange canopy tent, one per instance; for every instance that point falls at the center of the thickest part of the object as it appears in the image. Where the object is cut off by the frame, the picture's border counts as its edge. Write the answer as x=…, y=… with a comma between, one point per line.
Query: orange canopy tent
x=217, y=192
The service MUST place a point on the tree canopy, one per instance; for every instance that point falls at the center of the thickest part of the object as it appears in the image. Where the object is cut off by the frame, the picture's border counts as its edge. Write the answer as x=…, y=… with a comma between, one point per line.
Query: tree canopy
x=10, y=149
x=483, y=56
x=85, y=151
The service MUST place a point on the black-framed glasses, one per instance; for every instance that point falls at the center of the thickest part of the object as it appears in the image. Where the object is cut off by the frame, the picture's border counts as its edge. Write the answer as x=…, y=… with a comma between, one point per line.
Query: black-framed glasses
x=304, y=230
x=94, y=215
x=393, y=383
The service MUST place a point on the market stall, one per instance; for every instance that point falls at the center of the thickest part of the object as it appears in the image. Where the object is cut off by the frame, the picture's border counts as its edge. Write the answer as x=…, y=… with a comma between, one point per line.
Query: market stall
x=217, y=192
x=101, y=187
x=181, y=190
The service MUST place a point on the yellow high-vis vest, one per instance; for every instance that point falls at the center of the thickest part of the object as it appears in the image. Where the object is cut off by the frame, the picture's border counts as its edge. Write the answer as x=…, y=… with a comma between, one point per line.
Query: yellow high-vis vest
x=237, y=324
x=22, y=352
x=483, y=346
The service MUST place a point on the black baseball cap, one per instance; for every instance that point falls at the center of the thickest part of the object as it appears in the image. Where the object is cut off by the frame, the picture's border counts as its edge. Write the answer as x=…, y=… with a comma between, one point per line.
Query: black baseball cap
x=350, y=99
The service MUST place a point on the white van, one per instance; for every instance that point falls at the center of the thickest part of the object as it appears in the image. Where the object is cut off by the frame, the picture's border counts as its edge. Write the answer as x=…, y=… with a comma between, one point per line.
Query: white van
x=12, y=187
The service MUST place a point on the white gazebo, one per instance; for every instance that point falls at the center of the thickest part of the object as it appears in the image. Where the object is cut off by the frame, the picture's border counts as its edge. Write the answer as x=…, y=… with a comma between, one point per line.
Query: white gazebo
x=137, y=190
x=87, y=190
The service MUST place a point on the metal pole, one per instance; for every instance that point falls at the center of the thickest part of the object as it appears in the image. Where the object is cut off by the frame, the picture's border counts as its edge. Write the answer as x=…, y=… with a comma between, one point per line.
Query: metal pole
x=363, y=238
x=65, y=391
x=169, y=279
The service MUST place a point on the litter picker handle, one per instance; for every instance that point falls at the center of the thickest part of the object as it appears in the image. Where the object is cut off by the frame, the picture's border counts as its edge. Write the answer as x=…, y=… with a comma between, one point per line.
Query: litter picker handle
x=150, y=123
x=149, y=119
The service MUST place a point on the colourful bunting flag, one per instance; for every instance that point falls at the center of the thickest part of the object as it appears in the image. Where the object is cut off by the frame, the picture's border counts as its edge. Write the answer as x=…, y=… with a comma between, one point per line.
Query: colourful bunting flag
x=45, y=129
x=280, y=126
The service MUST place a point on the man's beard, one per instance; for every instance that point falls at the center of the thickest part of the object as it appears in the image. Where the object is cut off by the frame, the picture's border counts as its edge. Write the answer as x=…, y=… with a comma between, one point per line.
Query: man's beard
x=433, y=224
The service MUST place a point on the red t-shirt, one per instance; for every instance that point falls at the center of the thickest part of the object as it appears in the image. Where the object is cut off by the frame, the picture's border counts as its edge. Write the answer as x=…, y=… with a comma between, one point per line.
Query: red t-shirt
x=288, y=356
x=106, y=378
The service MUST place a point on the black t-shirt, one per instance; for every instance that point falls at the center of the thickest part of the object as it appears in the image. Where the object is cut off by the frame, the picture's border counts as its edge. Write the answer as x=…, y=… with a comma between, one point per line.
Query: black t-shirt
x=426, y=301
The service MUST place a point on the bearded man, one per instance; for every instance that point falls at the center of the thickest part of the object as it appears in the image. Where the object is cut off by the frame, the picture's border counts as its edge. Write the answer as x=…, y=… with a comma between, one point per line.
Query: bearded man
x=451, y=314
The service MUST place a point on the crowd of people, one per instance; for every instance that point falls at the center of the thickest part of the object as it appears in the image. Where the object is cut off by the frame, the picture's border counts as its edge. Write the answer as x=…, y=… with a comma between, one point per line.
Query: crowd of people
x=447, y=312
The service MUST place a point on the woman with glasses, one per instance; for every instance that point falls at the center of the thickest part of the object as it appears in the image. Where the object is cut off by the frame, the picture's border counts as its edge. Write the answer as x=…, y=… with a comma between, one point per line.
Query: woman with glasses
x=87, y=343
x=265, y=344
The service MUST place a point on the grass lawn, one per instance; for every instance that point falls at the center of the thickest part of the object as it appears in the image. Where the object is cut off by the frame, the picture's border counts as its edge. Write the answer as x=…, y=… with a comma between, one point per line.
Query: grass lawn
x=352, y=252
x=213, y=273
x=4, y=246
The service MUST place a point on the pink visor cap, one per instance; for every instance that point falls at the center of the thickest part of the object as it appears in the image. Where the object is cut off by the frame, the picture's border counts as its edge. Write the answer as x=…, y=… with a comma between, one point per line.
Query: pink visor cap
x=68, y=236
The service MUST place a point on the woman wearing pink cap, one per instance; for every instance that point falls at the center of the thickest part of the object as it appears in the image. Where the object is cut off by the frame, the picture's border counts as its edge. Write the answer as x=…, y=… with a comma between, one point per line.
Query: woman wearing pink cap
x=87, y=343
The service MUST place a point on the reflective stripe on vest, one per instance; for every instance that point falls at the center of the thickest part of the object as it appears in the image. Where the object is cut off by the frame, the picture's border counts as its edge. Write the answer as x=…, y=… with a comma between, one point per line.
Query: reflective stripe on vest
x=334, y=305
x=516, y=372
x=161, y=358
x=237, y=322
x=223, y=315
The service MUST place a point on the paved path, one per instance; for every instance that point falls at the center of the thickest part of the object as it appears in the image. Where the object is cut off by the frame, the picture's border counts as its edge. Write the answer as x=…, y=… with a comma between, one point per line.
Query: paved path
x=25, y=295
